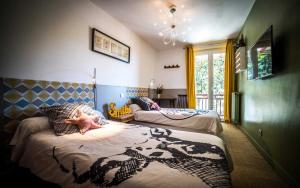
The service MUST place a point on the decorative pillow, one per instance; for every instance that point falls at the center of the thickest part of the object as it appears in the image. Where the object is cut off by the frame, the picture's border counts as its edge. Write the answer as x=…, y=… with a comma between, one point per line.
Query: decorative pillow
x=134, y=107
x=155, y=106
x=58, y=114
x=26, y=128
x=143, y=104
x=148, y=100
x=84, y=121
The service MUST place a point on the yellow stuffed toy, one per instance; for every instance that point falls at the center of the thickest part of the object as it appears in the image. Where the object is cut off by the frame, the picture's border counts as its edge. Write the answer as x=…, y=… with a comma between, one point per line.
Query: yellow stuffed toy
x=114, y=112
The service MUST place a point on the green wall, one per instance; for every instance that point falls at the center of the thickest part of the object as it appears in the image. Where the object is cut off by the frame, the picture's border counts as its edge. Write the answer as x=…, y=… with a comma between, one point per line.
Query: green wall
x=273, y=104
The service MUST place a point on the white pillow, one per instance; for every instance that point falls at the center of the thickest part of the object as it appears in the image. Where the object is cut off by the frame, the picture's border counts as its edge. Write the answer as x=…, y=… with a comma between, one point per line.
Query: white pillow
x=134, y=107
x=25, y=129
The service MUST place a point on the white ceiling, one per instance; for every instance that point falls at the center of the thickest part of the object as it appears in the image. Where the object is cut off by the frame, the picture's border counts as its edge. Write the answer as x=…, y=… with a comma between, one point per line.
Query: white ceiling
x=211, y=20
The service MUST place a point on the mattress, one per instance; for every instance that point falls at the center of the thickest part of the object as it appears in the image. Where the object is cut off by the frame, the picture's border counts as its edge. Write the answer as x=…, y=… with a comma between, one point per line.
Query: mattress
x=204, y=121
x=125, y=155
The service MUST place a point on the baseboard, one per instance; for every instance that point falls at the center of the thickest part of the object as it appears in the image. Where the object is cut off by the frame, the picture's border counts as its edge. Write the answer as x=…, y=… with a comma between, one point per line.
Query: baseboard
x=276, y=166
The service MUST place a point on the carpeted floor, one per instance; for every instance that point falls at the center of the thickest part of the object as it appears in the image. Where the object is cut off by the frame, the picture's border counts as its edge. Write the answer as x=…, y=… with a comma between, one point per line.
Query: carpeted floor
x=250, y=168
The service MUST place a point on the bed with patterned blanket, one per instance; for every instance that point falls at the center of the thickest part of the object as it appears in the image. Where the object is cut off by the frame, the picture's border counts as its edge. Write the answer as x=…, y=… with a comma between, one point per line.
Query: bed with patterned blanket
x=203, y=121
x=123, y=155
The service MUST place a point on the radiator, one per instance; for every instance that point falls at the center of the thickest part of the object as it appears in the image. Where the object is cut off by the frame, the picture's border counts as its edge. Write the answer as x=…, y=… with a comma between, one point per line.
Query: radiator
x=235, y=107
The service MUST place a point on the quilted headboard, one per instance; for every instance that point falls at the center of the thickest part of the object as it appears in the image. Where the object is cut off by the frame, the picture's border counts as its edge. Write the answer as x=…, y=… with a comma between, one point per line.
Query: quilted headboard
x=22, y=98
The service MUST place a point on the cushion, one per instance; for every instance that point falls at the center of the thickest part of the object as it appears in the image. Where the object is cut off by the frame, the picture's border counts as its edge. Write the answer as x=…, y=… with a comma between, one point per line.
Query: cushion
x=142, y=103
x=148, y=100
x=84, y=121
x=26, y=128
x=134, y=107
x=153, y=105
x=57, y=115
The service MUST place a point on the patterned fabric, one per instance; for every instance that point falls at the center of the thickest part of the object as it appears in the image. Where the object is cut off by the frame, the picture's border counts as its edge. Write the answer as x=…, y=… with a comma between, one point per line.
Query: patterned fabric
x=155, y=106
x=22, y=98
x=142, y=103
x=57, y=115
x=161, y=149
x=136, y=92
x=152, y=105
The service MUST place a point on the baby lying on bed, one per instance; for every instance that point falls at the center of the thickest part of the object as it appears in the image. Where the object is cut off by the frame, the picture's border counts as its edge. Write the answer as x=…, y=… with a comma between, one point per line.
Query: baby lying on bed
x=84, y=121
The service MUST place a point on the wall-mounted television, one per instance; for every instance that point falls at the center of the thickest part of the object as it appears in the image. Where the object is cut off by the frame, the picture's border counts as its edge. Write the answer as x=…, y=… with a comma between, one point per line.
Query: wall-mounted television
x=260, y=63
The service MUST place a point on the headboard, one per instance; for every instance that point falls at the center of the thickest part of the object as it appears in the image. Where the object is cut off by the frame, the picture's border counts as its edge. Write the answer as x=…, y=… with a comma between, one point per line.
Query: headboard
x=22, y=98
x=136, y=92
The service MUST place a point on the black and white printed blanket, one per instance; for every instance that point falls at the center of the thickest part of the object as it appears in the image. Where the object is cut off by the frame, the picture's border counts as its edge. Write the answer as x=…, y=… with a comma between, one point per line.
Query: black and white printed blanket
x=123, y=155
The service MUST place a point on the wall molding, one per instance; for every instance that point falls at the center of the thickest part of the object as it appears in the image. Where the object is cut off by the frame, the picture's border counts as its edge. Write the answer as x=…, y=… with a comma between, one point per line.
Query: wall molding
x=275, y=165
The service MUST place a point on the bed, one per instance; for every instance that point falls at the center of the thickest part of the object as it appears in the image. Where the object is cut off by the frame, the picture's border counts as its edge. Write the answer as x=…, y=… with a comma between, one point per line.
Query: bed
x=204, y=121
x=122, y=155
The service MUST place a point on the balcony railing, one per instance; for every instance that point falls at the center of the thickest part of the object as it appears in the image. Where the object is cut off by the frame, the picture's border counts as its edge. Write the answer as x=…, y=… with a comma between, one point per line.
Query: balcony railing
x=218, y=103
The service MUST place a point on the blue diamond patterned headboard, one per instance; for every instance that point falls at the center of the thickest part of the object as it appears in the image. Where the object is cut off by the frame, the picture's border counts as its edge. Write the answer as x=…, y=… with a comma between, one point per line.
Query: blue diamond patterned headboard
x=22, y=98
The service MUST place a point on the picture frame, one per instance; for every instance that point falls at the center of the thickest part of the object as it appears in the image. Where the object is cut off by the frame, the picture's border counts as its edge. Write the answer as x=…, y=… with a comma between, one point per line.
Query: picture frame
x=109, y=46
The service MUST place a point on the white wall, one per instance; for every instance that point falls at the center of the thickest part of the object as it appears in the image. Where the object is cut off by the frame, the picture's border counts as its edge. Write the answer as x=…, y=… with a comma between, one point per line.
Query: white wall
x=171, y=78
x=50, y=40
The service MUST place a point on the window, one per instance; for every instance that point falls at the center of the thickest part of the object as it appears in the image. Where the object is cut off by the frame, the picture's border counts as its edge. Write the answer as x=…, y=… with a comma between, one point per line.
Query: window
x=209, y=75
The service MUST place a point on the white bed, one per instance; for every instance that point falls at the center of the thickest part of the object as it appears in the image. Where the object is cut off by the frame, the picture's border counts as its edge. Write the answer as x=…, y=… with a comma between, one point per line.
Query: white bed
x=122, y=155
x=206, y=122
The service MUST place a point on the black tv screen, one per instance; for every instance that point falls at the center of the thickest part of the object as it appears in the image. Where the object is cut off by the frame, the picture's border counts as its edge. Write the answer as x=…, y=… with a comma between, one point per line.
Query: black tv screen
x=260, y=57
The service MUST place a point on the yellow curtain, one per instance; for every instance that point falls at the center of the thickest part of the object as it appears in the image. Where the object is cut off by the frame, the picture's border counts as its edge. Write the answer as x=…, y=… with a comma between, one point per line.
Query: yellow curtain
x=228, y=79
x=190, y=77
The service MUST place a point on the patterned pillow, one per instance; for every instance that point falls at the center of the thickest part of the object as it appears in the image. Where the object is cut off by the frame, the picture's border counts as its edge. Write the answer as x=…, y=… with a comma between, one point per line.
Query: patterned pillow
x=142, y=103
x=153, y=105
x=57, y=115
x=148, y=100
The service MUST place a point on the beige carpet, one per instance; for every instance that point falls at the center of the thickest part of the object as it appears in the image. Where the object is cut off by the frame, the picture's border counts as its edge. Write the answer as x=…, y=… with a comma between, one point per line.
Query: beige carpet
x=250, y=168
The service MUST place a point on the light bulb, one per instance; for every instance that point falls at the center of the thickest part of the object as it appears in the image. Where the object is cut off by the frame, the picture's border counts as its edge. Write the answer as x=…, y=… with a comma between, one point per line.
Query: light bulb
x=160, y=34
x=155, y=24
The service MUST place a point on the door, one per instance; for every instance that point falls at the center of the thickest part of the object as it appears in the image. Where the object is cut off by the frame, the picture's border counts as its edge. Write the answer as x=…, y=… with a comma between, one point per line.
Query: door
x=209, y=81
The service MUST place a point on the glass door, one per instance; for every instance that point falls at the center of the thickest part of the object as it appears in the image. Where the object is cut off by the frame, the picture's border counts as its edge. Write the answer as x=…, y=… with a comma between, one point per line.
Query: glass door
x=209, y=75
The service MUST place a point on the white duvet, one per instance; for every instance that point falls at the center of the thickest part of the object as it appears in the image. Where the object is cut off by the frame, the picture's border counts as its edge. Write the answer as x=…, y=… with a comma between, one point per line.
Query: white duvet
x=123, y=155
x=206, y=122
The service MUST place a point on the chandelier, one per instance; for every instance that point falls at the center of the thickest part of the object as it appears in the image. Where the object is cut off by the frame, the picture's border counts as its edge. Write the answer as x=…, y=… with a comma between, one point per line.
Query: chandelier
x=174, y=26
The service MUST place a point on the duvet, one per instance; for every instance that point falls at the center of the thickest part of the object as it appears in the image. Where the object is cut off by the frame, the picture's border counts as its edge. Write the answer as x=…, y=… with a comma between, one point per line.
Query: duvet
x=125, y=155
x=204, y=121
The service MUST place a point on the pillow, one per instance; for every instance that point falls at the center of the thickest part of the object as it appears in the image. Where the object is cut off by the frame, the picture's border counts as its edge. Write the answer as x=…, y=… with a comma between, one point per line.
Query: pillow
x=25, y=129
x=58, y=114
x=148, y=100
x=143, y=104
x=134, y=107
x=84, y=121
x=153, y=105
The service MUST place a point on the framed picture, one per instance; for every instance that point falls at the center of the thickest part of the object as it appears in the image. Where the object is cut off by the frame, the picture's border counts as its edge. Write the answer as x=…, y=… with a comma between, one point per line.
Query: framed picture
x=106, y=45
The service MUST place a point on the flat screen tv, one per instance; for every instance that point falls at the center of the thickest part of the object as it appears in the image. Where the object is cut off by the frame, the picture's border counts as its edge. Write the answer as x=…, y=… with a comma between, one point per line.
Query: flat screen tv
x=260, y=64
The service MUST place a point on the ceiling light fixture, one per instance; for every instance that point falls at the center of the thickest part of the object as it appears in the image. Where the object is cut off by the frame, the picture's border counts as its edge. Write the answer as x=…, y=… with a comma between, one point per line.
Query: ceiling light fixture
x=175, y=25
